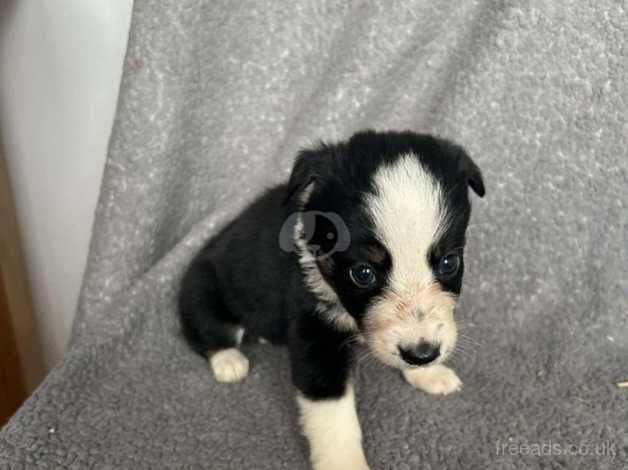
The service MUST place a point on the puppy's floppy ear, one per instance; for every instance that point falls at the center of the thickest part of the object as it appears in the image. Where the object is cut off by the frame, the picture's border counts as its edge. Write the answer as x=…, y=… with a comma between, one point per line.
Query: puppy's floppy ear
x=470, y=171
x=307, y=168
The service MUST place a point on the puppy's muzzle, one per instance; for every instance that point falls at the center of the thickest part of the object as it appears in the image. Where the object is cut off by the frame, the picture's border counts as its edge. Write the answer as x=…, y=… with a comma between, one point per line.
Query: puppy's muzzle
x=420, y=354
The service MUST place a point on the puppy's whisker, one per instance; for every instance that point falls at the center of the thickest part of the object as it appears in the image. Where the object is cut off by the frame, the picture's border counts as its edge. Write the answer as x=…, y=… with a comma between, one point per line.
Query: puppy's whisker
x=468, y=340
x=466, y=346
x=365, y=357
x=464, y=330
x=351, y=340
x=462, y=354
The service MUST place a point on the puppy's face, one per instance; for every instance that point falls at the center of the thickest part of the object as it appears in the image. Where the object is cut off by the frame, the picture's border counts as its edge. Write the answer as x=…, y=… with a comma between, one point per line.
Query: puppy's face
x=403, y=199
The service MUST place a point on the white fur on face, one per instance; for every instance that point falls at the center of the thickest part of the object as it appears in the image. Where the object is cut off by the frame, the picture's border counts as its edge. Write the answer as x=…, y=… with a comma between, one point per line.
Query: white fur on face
x=409, y=214
x=333, y=432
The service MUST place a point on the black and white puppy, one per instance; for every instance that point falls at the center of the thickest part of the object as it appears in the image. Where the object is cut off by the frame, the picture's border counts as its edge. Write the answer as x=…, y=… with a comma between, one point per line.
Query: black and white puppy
x=374, y=252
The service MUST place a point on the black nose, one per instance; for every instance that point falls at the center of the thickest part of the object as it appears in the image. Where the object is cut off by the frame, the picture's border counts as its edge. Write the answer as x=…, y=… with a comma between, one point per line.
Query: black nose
x=421, y=354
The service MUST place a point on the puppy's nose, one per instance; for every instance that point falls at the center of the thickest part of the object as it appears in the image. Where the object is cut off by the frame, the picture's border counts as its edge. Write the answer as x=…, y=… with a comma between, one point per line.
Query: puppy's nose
x=421, y=354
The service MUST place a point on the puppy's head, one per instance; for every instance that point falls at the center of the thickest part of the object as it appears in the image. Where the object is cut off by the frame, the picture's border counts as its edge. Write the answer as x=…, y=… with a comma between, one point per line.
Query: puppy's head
x=403, y=202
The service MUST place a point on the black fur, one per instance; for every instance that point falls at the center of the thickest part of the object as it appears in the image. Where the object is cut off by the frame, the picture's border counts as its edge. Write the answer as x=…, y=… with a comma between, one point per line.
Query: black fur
x=243, y=278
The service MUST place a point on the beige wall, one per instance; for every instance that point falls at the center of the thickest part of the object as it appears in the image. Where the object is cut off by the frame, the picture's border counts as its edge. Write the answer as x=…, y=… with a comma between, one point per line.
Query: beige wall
x=60, y=66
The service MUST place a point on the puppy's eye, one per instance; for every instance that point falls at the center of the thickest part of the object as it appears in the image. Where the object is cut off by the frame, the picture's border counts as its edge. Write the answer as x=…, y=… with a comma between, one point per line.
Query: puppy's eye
x=363, y=275
x=449, y=265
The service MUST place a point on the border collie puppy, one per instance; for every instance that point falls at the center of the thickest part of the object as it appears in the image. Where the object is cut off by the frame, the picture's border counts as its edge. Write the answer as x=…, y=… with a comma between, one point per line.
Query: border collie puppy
x=364, y=243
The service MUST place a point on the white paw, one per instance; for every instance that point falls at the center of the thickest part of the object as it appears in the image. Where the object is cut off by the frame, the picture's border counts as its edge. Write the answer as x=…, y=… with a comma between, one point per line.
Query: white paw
x=437, y=379
x=343, y=462
x=229, y=365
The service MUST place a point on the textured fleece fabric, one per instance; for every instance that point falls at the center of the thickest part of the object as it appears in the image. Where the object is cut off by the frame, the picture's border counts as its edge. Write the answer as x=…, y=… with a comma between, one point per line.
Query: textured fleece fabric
x=215, y=100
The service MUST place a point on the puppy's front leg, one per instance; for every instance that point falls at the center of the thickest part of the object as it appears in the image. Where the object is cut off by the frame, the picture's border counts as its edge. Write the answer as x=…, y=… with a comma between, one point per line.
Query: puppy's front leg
x=332, y=429
x=320, y=371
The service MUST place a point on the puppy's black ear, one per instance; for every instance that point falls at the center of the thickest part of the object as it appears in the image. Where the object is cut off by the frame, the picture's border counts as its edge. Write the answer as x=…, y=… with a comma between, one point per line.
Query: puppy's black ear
x=470, y=171
x=307, y=168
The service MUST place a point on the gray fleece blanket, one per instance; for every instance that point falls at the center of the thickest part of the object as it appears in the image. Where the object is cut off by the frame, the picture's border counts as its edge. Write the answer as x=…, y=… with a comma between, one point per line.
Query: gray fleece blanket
x=215, y=100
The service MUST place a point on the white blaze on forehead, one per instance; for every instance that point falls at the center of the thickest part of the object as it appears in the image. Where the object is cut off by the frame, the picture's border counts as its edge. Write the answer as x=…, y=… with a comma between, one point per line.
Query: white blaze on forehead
x=408, y=214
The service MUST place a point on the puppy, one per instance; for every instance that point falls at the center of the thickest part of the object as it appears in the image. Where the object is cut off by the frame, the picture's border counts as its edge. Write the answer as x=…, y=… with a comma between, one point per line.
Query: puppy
x=364, y=243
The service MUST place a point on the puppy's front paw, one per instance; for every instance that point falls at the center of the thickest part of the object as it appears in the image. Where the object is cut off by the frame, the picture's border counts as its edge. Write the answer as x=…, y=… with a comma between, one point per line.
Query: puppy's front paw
x=343, y=462
x=437, y=379
x=229, y=365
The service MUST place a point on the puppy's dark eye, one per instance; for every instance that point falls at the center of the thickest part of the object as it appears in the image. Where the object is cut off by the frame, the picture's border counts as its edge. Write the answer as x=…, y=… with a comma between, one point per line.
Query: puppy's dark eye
x=449, y=265
x=363, y=275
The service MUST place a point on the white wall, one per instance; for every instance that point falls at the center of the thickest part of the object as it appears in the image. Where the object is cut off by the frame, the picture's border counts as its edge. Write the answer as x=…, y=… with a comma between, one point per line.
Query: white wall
x=60, y=67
